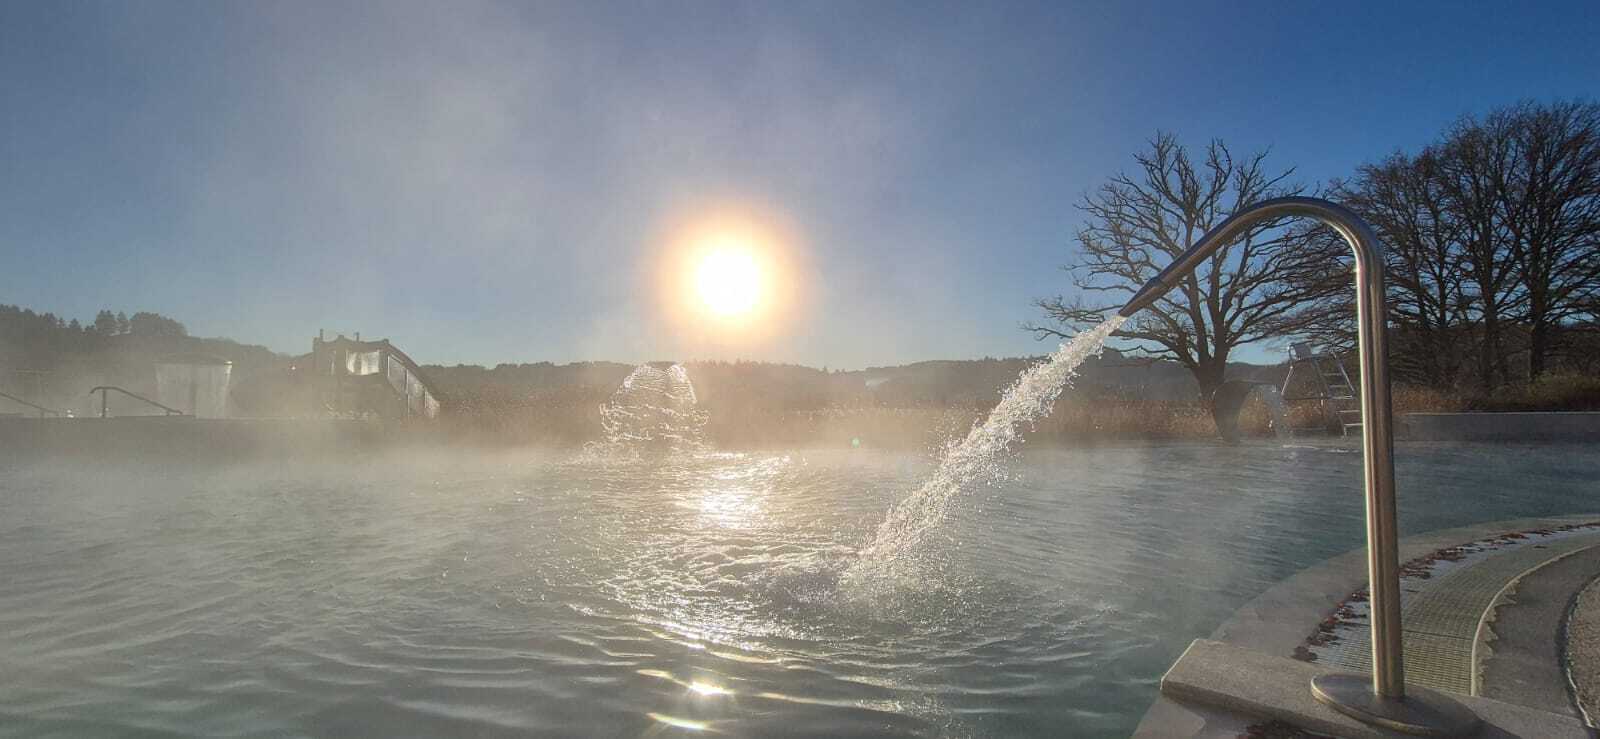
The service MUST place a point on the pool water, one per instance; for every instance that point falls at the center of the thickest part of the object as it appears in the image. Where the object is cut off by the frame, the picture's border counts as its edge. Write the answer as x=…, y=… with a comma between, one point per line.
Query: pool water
x=552, y=594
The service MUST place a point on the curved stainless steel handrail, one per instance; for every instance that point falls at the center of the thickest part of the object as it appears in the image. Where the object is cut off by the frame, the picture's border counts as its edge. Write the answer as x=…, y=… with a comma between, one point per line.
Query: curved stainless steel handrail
x=1386, y=701
x=41, y=409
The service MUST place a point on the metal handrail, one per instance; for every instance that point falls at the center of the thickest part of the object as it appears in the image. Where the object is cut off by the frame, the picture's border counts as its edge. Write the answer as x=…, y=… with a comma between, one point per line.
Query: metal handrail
x=104, y=389
x=1383, y=700
x=42, y=410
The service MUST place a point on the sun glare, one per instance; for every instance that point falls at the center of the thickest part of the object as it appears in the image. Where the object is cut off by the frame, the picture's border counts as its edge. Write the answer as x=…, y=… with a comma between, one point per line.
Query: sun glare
x=728, y=280
x=731, y=278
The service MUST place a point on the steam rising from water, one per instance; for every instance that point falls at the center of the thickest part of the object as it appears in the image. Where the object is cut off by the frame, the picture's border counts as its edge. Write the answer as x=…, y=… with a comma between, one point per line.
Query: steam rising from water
x=973, y=458
x=655, y=409
x=517, y=594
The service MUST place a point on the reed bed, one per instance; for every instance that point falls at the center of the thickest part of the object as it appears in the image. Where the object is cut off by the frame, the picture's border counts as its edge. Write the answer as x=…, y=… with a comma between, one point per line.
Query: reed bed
x=570, y=416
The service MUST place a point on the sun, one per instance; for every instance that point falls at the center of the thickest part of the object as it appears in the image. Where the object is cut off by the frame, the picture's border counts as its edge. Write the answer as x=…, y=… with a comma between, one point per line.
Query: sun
x=728, y=280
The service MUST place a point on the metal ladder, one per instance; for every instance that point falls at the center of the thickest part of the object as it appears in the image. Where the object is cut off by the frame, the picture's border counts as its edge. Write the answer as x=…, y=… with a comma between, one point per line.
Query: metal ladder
x=1332, y=388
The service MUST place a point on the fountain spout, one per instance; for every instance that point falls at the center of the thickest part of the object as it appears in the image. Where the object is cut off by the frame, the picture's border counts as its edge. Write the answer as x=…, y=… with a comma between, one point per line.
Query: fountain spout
x=1383, y=700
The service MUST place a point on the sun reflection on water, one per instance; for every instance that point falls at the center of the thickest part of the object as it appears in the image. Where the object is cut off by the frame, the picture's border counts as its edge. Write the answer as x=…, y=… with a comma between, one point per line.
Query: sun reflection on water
x=679, y=723
x=708, y=689
x=736, y=508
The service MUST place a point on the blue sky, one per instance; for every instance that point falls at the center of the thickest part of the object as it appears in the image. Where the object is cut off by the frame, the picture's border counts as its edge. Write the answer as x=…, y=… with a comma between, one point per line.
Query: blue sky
x=489, y=182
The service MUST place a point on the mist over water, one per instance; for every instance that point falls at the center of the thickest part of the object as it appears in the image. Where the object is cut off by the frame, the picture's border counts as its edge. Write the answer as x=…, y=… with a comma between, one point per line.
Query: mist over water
x=652, y=584
x=529, y=593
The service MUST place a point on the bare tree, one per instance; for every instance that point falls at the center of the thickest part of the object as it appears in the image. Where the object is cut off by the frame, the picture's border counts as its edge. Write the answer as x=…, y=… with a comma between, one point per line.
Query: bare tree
x=1404, y=200
x=1471, y=161
x=1549, y=202
x=1492, y=236
x=1250, y=291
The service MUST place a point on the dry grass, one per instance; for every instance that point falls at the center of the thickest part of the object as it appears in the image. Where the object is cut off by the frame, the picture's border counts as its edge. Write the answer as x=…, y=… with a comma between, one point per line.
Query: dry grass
x=570, y=416
x=1420, y=399
x=896, y=428
x=1554, y=392
x=1071, y=422
x=566, y=416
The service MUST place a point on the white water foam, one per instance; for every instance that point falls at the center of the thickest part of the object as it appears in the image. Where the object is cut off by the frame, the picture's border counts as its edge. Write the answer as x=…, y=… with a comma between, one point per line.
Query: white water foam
x=655, y=407
x=974, y=458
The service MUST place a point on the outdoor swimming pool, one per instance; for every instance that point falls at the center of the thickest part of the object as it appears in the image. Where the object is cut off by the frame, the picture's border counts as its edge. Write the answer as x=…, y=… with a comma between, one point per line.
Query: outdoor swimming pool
x=536, y=593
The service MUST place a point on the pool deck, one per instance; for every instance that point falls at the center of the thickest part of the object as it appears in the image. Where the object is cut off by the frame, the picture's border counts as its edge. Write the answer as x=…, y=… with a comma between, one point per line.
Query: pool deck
x=1488, y=618
x=1583, y=650
x=1534, y=640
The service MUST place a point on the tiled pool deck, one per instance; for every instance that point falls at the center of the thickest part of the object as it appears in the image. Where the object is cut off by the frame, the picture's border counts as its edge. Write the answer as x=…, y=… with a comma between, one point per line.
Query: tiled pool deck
x=1456, y=581
x=1442, y=614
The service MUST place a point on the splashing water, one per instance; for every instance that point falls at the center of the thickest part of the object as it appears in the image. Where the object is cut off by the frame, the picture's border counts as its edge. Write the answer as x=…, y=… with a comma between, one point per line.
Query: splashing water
x=1279, y=411
x=1031, y=397
x=655, y=407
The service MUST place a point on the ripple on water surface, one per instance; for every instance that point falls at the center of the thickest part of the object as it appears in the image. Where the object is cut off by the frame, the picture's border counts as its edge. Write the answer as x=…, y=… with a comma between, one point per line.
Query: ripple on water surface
x=702, y=593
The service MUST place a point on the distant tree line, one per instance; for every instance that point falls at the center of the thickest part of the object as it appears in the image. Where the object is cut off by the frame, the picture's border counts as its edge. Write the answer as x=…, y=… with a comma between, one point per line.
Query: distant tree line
x=1492, y=237
x=49, y=359
x=27, y=336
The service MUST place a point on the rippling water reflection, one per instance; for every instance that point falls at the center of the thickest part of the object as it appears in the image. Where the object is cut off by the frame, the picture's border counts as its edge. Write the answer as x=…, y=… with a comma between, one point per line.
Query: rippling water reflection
x=537, y=595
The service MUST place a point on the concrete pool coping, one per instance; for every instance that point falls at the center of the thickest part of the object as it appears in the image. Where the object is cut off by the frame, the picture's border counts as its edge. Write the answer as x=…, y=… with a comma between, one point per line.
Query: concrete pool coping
x=1278, y=620
x=1275, y=623
x=1264, y=687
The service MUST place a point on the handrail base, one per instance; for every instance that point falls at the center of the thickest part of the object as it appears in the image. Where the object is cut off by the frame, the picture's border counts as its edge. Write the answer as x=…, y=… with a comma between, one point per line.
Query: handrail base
x=1421, y=711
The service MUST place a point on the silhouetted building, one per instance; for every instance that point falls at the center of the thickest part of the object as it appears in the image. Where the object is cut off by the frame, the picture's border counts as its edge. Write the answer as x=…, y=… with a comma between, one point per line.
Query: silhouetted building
x=357, y=377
